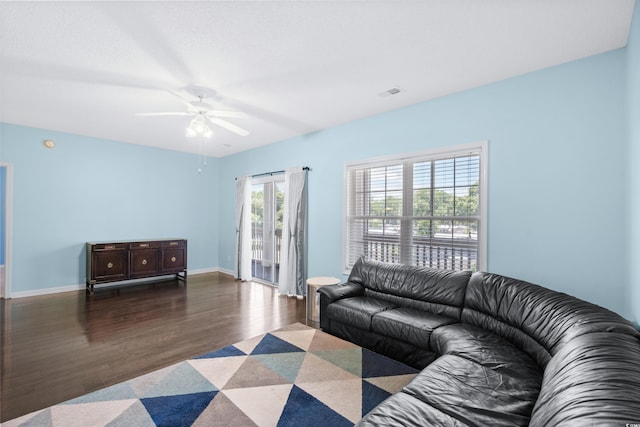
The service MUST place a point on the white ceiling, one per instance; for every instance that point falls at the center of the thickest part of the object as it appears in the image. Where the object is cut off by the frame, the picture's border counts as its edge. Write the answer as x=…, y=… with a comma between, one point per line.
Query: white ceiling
x=294, y=66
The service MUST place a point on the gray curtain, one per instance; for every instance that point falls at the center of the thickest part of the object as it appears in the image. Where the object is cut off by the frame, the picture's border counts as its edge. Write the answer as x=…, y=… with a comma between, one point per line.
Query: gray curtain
x=243, y=228
x=293, y=265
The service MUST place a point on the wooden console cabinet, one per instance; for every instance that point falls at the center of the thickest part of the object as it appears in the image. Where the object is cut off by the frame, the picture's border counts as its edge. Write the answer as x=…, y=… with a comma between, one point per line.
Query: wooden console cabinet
x=118, y=261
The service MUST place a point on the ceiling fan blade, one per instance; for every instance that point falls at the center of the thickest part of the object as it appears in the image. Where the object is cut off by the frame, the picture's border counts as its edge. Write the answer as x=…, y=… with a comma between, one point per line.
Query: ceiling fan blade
x=223, y=113
x=165, y=114
x=229, y=126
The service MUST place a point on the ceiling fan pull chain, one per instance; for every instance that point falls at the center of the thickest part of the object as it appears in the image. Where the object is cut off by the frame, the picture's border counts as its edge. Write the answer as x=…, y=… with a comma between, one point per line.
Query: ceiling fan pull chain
x=205, y=152
x=200, y=154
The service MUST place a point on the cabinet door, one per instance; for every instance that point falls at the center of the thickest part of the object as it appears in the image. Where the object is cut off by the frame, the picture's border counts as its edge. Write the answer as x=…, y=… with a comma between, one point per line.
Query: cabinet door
x=174, y=256
x=109, y=265
x=143, y=262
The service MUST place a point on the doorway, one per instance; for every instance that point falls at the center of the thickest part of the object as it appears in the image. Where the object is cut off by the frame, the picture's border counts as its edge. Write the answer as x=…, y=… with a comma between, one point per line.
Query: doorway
x=5, y=229
x=267, y=211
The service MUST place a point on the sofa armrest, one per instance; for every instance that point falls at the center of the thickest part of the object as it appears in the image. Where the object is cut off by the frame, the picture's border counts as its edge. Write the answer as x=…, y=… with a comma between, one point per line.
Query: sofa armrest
x=331, y=293
x=344, y=290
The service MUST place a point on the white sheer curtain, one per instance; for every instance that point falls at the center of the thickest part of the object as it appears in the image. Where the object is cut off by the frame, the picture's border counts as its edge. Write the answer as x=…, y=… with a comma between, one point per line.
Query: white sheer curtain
x=293, y=257
x=243, y=228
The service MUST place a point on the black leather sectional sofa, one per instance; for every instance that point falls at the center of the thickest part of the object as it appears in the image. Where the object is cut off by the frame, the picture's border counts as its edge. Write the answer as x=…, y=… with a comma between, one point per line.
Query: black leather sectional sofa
x=492, y=350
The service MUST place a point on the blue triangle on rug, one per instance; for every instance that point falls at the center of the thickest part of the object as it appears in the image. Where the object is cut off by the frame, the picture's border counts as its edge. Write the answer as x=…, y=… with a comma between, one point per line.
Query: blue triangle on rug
x=304, y=410
x=377, y=365
x=372, y=396
x=115, y=392
x=181, y=379
x=42, y=418
x=228, y=351
x=180, y=410
x=271, y=344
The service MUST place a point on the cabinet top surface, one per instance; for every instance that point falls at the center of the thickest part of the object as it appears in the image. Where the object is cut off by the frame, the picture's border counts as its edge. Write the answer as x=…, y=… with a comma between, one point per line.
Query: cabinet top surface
x=106, y=242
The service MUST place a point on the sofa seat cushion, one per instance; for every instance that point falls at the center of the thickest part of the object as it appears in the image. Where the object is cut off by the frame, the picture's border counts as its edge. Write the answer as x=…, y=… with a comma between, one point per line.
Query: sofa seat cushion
x=475, y=394
x=408, y=325
x=486, y=349
x=357, y=311
x=404, y=410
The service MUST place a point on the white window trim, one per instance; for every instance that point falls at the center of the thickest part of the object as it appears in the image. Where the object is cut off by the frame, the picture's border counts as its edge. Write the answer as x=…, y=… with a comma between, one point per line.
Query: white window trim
x=434, y=154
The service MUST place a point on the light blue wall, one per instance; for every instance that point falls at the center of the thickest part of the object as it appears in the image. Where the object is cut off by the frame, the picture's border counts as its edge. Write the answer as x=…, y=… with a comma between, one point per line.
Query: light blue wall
x=3, y=181
x=563, y=149
x=557, y=179
x=633, y=120
x=87, y=189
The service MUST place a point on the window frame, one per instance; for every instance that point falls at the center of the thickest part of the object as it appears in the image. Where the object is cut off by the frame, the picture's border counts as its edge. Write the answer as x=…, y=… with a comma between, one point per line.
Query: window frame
x=479, y=148
x=274, y=180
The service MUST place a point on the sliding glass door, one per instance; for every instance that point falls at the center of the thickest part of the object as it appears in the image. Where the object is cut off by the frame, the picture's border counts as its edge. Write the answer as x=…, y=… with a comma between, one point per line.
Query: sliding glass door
x=267, y=208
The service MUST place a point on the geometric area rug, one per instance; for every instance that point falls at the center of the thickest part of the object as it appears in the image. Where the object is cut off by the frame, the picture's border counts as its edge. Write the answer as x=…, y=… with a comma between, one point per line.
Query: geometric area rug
x=294, y=376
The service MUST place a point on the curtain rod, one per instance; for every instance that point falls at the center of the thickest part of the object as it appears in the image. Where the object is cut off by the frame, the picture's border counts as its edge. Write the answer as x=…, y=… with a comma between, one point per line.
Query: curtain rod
x=306, y=168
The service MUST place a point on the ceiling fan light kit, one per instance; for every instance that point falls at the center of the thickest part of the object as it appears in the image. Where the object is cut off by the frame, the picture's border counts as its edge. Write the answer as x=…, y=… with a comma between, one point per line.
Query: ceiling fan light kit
x=198, y=127
x=204, y=113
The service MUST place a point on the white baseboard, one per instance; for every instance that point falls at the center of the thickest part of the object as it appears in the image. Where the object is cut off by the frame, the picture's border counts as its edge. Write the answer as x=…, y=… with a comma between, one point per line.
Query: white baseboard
x=202, y=271
x=2, y=281
x=47, y=291
x=82, y=286
x=212, y=270
x=227, y=272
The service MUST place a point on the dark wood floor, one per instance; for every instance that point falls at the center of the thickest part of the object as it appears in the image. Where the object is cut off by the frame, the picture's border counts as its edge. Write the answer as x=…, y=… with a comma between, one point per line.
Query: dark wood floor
x=57, y=347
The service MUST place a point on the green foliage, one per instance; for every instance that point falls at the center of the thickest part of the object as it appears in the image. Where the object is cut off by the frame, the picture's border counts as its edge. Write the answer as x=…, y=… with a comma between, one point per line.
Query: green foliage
x=391, y=206
x=257, y=207
x=444, y=203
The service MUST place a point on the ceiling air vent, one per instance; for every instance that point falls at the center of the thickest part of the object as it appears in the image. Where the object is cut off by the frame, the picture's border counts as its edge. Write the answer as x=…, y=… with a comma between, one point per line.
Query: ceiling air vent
x=389, y=92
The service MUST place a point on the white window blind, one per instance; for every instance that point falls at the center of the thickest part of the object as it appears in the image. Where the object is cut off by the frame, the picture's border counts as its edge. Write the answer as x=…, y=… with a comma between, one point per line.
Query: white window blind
x=425, y=209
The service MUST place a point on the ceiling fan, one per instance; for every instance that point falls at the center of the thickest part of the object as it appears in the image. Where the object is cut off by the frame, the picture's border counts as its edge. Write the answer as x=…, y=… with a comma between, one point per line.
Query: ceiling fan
x=204, y=113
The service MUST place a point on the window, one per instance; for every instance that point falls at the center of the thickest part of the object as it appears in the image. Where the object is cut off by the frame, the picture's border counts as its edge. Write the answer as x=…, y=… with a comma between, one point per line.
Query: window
x=426, y=209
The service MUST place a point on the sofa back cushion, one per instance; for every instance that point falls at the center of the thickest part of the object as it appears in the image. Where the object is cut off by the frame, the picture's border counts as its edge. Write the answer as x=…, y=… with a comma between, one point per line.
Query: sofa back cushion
x=594, y=380
x=437, y=291
x=538, y=320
